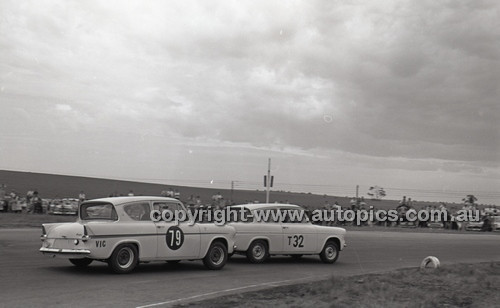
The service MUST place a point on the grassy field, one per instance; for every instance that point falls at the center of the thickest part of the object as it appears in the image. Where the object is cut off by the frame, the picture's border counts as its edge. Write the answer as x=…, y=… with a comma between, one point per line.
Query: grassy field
x=463, y=285
x=11, y=220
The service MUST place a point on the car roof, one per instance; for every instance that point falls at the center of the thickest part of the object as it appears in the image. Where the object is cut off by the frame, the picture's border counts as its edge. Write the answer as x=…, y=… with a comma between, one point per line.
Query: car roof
x=127, y=199
x=262, y=206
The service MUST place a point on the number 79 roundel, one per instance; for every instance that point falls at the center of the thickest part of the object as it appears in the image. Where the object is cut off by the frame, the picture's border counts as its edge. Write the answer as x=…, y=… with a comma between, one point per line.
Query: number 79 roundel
x=174, y=238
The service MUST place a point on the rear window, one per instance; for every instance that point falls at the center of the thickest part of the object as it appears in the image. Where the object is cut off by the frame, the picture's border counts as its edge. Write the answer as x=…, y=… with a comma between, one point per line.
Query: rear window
x=96, y=211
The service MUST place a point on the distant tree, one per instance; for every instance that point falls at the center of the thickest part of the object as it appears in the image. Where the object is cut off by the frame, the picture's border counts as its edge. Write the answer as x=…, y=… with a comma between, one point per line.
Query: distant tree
x=376, y=192
x=470, y=199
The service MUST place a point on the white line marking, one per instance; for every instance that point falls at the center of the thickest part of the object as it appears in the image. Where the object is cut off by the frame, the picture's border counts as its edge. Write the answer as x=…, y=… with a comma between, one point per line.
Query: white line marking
x=271, y=283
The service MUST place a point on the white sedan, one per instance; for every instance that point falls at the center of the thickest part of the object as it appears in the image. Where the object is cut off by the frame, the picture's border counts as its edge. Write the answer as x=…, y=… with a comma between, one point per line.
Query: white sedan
x=286, y=231
x=121, y=232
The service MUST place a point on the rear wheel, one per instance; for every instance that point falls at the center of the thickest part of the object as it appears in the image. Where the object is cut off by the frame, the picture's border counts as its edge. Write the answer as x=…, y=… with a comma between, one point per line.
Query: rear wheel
x=216, y=256
x=124, y=259
x=81, y=263
x=257, y=252
x=330, y=252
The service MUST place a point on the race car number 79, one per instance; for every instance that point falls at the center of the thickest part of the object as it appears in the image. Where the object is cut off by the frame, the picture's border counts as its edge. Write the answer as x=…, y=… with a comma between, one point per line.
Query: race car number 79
x=174, y=238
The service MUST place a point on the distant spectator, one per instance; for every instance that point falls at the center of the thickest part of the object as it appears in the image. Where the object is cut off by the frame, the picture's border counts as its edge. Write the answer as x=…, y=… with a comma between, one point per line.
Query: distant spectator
x=403, y=202
x=362, y=203
x=4, y=203
x=81, y=196
x=487, y=226
x=177, y=194
x=29, y=195
x=353, y=203
x=37, y=203
x=2, y=191
x=131, y=193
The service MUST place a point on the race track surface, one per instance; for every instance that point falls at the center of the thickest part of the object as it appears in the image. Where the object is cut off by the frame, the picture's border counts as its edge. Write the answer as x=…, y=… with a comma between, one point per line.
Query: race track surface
x=27, y=278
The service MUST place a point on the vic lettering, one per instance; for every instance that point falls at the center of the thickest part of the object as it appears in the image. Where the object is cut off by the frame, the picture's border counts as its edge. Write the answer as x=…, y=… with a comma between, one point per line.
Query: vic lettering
x=100, y=244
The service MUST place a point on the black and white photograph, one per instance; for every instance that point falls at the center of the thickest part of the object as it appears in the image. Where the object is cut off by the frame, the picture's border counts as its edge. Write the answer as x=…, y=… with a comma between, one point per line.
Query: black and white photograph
x=218, y=153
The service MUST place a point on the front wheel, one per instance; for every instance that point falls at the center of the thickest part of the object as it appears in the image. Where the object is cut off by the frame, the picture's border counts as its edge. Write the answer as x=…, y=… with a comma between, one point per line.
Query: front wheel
x=257, y=252
x=124, y=259
x=216, y=256
x=81, y=263
x=330, y=252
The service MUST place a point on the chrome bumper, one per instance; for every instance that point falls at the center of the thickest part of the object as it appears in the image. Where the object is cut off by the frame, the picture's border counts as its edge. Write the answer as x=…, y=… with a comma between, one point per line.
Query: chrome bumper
x=65, y=251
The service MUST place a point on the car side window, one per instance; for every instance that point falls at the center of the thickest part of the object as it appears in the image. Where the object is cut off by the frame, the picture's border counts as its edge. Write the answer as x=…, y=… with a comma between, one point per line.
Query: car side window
x=139, y=211
x=91, y=211
x=240, y=215
x=295, y=216
x=270, y=215
x=172, y=207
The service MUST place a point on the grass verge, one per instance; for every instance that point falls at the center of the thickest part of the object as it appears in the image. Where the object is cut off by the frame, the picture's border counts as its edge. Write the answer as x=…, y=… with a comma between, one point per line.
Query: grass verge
x=23, y=220
x=461, y=285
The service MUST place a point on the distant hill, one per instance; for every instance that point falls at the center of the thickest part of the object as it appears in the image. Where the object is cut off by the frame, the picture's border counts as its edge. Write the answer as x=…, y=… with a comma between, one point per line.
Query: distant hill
x=51, y=186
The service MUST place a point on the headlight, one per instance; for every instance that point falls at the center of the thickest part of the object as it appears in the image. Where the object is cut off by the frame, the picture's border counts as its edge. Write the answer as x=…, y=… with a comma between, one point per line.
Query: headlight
x=76, y=242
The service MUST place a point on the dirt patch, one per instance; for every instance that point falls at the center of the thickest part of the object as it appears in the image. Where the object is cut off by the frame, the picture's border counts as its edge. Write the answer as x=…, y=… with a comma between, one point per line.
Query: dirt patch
x=463, y=285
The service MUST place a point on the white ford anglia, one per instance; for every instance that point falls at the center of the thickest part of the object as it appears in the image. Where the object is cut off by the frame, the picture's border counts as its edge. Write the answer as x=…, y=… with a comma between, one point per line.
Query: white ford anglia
x=120, y=231
x=258, y=239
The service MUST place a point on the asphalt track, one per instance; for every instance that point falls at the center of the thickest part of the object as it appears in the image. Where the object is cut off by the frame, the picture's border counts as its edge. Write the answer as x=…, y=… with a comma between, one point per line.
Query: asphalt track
x=29, y=279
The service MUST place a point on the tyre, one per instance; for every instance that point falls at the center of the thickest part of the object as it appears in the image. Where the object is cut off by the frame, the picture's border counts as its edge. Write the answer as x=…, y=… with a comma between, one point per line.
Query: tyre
x=216, y=256
x=257, y=252
x=124, y=259
x=330, y=252
x=81, y=263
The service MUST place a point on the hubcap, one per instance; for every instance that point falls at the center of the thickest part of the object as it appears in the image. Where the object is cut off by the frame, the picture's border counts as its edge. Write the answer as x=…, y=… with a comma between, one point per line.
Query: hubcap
x=125, y=257
x=258, y=251
x=217, y=255
x=331, y=252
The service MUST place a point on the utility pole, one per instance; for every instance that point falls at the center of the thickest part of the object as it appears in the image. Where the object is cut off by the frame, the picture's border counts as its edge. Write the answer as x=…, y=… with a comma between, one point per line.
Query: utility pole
x=268, y=180
x=357, y=192
x=232, y=190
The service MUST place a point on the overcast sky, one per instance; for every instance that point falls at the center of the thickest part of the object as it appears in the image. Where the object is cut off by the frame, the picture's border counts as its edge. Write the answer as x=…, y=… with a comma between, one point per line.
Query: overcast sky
x=400, y=94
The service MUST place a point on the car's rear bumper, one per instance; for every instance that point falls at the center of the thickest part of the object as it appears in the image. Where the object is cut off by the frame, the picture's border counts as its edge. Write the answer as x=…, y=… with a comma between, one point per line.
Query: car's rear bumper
x=64, y=251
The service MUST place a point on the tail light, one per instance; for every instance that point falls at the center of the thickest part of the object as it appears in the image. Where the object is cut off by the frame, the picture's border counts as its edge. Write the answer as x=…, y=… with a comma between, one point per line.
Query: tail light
x=85, y=236
x=44, y=233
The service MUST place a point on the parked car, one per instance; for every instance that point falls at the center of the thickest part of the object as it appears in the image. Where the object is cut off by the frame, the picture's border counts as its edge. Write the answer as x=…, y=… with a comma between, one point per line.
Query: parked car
x=121, y=232
x=259, y=239
x=66, y=206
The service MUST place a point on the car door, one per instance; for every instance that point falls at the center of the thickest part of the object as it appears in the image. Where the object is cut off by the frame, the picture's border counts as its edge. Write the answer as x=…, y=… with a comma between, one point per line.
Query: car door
x=299, y=235
x=176, y=239
x=139, y=226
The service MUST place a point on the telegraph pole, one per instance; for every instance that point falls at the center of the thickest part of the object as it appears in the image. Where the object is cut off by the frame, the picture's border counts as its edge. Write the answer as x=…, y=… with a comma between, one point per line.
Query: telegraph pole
x=268, y=180
x=232, y=190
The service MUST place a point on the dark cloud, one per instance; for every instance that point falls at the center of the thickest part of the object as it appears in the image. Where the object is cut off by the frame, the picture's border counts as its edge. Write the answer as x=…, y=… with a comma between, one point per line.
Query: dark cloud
x=414, y=80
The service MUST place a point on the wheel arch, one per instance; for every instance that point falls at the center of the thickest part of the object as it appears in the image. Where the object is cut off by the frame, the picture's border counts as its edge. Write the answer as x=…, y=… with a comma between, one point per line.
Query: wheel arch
x=256, y=238
x=136, y=243
x=332, y=239
x=221, y=239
